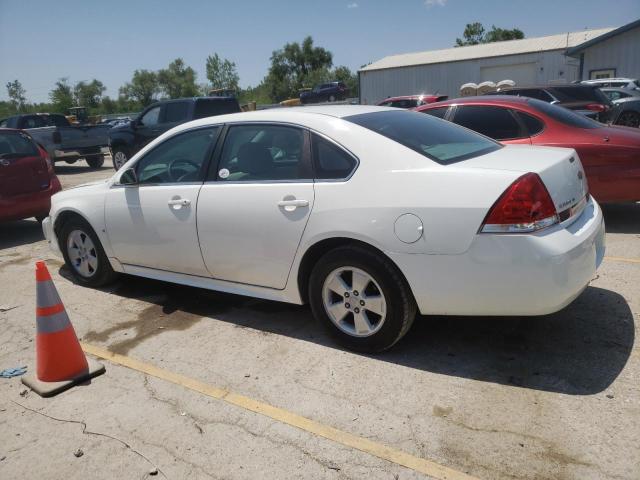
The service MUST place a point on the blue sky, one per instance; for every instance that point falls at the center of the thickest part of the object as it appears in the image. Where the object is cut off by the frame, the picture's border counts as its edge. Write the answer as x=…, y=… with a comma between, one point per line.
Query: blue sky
x=43, y=40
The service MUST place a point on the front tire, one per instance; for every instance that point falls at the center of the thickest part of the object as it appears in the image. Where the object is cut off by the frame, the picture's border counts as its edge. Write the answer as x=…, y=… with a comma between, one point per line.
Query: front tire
x=119, y=158
x=332, y=98
x=95, y=162
x=361, y=298
x=84, y=255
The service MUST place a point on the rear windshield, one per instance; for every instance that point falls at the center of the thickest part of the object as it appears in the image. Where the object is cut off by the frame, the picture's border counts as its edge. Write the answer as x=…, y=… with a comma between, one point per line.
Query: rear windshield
x=564, y=115
x=580, y=94
x=57, y=120
x=16, y=145
x=211, y=108
x=439, y=140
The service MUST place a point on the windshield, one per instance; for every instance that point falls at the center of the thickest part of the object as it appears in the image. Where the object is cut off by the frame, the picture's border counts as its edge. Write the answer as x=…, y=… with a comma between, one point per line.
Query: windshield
x=439, y=140
x=17, y=145
x=564, y=115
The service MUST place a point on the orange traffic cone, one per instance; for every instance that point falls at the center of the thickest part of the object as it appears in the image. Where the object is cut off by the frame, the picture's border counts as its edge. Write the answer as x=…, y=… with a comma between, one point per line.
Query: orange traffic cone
x=61, y=363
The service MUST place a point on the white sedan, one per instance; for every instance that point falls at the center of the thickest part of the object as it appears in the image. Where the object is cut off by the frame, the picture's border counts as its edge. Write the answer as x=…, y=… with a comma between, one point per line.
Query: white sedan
x=370, y=214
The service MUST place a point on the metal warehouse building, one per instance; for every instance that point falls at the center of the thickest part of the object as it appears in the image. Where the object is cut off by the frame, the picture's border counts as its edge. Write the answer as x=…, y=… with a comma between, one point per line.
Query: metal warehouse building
x=613, y=54
x=538, y=60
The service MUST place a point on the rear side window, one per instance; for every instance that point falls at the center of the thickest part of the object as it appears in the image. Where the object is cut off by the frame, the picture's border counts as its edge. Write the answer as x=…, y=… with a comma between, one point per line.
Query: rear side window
x=13, y=145
x=33, y=121
x=331, y=162
x=437, y=112
x=442, y=142
x=494, y=122
x=211, y=108
x=176, y=112
x=564, y=115
x=531, y=123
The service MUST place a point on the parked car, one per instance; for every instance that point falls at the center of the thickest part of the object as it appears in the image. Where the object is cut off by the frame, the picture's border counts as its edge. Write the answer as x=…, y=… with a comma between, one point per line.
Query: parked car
x=627, y=83
x=627, y=102
x=620, y=93
x=610, y=155
x=61, y=140
x=368, y=213
x=584, y=99
x=326, y=92
x=27, y=180
x=411, y=101
x=127, y=139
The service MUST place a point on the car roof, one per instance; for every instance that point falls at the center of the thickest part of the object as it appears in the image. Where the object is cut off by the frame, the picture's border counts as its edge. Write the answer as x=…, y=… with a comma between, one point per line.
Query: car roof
x=488, y=99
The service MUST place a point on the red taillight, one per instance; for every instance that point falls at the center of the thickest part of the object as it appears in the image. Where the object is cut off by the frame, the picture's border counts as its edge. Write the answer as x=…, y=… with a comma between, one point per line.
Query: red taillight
x=596, y=107
x=525, y=206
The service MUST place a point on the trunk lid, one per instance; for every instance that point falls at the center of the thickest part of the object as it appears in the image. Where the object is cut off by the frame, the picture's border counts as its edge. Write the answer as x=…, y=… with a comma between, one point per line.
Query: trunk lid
x=22, y=167
x=560, y=170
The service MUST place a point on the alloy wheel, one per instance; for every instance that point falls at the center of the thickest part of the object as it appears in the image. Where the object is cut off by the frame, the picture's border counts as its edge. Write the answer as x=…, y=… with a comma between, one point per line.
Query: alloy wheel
x=354, y=301
x=82, y=253
x=119, y=159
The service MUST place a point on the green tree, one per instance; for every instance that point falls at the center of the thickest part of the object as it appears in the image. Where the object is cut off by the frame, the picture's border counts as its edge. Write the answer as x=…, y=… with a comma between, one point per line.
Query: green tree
x=88, y=94
x=61, y=96
x=142, y=89
x=108, y=105
x=16, y=95
x=500, y=34
x=178, y=80
x=474, y=34
x=295, y=65
x=222, y=73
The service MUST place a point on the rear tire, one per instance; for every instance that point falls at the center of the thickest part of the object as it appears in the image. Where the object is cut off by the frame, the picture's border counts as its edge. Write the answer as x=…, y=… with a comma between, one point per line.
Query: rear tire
x=332, y=98
x=84, y=255
x=389, y=313
x=95, y=162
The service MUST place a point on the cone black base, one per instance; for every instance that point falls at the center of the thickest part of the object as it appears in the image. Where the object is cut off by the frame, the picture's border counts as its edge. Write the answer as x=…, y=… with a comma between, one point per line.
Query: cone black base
x=49, y=389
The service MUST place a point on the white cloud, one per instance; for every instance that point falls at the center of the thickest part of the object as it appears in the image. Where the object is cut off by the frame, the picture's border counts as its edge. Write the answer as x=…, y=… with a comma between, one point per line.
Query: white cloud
x=435, y=3
x=352, y=5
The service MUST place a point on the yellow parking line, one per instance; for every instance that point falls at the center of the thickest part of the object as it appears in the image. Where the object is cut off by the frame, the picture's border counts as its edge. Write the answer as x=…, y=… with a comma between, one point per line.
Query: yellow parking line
x=379, y=450
x=623, y=259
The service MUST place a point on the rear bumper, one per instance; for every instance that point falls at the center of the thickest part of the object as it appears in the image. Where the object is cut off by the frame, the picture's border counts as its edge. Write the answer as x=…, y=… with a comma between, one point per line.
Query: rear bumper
x=81, y=152
x=35, y=204
x=533, y=274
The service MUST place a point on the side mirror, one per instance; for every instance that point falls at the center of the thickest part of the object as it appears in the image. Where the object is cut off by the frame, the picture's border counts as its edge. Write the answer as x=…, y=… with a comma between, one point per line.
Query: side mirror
x=134, y=123
x=128, y=177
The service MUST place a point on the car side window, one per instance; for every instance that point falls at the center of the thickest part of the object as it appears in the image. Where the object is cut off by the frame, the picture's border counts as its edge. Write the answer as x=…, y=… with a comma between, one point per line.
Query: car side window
x=330, y=162
x=437, y=112
x=180, y=159
x=493, y=122
x=151, y=117
x=531, y=123
x=33, y=121
x=176, y=112
x=254, y=153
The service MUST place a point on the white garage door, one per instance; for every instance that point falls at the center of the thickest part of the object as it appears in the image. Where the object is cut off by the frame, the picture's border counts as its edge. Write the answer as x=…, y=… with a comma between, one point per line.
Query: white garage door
x=521, y=73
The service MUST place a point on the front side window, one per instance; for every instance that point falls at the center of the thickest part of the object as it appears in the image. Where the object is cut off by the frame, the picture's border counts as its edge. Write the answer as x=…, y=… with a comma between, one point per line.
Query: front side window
x=494, y=122
x=442, y=142
x=33, y=121
x=179, y=159
x=151, y=117
x=175, y=112
x=331, y=162
x=263, y=152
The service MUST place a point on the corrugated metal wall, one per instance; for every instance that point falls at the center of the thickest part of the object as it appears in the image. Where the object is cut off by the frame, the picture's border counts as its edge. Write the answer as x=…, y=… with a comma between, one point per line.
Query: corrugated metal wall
x=446, y=78
x=621, y=53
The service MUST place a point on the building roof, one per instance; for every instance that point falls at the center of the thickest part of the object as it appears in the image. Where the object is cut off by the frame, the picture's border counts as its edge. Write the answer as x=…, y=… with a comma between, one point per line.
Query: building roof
x=612, y=33
x=485, y=50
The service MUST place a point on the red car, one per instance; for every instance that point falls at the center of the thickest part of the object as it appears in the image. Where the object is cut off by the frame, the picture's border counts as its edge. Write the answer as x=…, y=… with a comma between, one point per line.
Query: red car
x=411, y=101
x=610, y=154
x=27, y=180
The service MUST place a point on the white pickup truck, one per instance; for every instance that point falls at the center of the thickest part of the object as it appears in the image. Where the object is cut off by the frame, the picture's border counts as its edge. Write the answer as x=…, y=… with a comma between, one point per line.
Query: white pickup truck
x=61, y=140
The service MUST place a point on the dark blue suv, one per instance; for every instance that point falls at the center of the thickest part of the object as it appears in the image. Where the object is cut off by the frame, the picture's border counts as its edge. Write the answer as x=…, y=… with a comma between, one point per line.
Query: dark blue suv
x=325, y=92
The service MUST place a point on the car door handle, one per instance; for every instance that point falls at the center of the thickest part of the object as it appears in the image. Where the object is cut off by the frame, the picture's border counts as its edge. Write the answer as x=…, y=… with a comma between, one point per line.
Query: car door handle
x=182, y=202
x=295, y=203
